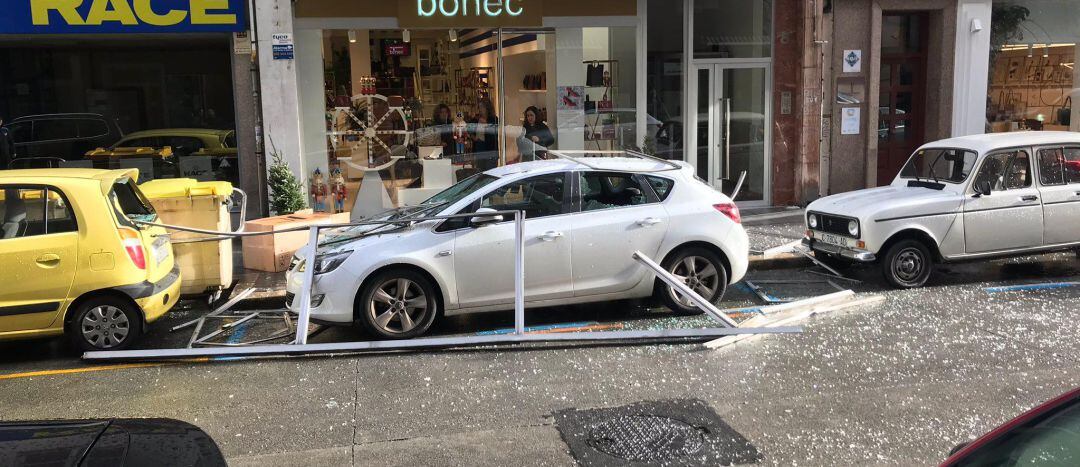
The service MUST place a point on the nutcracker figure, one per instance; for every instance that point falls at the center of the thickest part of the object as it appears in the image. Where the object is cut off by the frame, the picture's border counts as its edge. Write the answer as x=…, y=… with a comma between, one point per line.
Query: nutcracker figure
x=318, y=191
x=337, y=189
x=459, y=128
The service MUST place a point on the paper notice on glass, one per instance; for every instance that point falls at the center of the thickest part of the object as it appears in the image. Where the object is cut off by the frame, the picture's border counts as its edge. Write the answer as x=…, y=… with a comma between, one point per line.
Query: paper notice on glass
x=849, y=121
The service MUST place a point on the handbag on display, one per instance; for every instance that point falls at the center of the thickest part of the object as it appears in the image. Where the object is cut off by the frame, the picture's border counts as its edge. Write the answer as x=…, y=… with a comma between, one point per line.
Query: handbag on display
x=1064, y=116
x=605, y=103
x=590, y=105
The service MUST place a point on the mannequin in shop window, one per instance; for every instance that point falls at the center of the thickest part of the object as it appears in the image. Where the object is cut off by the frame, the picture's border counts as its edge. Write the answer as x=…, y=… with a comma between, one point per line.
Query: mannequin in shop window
x=485, y=136
x=536, y=136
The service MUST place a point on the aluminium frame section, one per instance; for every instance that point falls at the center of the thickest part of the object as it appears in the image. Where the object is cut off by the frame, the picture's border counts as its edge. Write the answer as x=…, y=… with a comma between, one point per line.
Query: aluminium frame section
x=566, y=154
x=518, y=337
x=425, y=343
x=685, y=290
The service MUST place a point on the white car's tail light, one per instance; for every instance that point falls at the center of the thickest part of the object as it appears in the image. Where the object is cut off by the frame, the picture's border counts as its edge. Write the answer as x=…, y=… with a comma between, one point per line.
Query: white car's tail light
x=730, y=210
x=134, y=247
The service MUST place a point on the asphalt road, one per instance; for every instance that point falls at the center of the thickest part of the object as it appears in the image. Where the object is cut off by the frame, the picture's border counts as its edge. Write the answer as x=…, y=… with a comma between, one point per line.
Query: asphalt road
x=895, y=384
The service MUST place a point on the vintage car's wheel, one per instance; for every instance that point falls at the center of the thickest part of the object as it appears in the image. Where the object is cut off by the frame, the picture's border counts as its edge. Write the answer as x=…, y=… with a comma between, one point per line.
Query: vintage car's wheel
x=397, y=304
x=907, y=264
x=104, y=323
x=700, y=269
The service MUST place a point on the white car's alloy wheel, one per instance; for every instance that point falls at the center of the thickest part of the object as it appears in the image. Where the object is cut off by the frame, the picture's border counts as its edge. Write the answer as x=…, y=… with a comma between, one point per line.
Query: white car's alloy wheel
x=699, y=273
x=398, y=306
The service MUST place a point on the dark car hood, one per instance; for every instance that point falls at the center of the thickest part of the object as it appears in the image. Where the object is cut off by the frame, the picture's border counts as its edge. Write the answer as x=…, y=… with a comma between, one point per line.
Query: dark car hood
x=118, y=442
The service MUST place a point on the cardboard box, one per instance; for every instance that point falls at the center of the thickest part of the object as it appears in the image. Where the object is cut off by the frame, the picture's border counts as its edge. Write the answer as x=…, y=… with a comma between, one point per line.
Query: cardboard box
x=272, y=253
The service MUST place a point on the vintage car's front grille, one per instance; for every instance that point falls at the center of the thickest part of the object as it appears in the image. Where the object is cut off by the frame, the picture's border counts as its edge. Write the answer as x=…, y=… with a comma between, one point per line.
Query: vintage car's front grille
x=289, y=296
x=833, y=224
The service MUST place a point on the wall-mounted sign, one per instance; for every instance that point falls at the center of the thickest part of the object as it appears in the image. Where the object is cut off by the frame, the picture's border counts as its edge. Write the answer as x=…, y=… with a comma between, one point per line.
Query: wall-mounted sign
x=469, y=13
x=399, y=49
x=122, y=16
x=282, y=46
x=850, y=120
x=852, y=61
x=241, y=43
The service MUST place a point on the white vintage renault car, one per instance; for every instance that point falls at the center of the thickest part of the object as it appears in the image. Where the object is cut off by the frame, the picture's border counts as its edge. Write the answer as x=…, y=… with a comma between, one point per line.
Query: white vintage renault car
x=967, y=198
x=583, y=222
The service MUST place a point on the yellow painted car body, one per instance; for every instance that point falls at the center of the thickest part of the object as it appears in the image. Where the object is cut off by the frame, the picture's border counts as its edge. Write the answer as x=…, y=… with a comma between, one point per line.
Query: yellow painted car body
x=81, y=246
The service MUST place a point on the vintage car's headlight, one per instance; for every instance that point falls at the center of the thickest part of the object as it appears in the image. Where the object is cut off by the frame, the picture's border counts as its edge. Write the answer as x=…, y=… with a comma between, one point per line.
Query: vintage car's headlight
x=853, y=228
x=813, y=221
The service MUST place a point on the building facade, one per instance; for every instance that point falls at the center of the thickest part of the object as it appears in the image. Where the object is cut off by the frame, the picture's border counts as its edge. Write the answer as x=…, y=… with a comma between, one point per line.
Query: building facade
x=905, y=72
x=806, y=97
x=730, y=87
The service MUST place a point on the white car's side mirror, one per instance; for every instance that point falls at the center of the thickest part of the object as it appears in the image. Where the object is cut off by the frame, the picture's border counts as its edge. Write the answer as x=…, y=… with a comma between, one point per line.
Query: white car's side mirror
x=484, y=217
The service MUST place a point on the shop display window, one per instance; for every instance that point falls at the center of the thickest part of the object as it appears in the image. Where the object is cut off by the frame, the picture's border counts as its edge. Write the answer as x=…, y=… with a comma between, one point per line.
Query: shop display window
x=417, y=115
x=1032, y=79
x=163, y=105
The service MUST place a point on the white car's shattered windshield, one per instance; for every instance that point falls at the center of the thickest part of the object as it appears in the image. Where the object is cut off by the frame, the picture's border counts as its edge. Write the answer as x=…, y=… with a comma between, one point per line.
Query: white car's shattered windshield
x=429, y=207
x=940, y=165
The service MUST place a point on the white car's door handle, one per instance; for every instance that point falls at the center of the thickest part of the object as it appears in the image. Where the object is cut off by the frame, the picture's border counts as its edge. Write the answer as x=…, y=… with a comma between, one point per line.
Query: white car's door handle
x=1029, y=198
x=649, y=221
x=551, y=236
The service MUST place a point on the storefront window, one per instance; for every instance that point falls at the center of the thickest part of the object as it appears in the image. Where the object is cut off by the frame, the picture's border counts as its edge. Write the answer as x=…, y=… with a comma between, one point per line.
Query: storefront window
x=407, y=118
x=733, y=29
x=158, y=103
x=1033, y=54
x=665, y=76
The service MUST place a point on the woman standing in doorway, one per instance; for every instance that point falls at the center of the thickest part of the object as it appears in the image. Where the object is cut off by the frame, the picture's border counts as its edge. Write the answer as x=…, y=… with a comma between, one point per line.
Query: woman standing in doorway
x=485, y=136
x=536, y=134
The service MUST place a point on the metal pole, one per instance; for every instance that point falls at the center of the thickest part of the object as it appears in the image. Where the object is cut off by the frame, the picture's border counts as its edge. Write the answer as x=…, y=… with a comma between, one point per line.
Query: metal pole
x=519, y=273
x=501, y=94
x=305, y=290
x=682, y=288
x=426, y=343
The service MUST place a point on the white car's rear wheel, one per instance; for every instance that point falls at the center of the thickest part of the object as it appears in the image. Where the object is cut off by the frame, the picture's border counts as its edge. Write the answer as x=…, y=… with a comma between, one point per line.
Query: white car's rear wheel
x=700, y=269
x=398, y=304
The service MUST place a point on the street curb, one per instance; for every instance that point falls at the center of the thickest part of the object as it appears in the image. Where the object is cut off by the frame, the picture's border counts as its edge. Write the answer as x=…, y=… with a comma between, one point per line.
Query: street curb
x=795, y=216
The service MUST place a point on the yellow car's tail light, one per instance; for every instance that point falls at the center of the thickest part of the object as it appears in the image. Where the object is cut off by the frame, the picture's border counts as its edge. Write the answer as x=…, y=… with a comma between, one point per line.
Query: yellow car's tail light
x=134, y=247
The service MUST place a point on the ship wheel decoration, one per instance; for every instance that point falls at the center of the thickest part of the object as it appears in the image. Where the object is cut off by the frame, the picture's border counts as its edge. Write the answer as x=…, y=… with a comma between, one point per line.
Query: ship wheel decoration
x=371, y=123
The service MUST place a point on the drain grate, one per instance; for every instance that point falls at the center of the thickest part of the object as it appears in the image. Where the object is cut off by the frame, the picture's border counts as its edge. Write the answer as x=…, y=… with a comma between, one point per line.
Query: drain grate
x=646, y=438
x=682, y=432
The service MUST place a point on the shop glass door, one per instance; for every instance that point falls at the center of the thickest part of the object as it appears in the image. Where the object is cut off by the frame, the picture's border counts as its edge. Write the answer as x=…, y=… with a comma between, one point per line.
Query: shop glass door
x=731, y=128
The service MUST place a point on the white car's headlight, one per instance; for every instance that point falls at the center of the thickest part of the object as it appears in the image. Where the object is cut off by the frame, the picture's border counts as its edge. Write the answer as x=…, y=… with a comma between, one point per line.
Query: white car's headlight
x=326, y=262
x=853, y=228
x=813, y=221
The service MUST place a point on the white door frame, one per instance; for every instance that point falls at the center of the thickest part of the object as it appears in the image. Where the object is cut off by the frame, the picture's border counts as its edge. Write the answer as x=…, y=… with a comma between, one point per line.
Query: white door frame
x=716, y=67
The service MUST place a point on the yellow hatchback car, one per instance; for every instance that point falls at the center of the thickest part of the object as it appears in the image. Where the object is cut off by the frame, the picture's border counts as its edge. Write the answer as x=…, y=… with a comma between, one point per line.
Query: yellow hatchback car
x=73, y=262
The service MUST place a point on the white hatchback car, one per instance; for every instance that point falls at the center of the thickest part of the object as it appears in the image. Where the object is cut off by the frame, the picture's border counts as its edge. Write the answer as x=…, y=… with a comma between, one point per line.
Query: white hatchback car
x=583, y=222
x=967, y=198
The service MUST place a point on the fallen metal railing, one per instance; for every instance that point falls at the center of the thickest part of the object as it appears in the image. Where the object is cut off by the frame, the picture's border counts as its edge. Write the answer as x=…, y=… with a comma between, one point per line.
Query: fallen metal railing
x=300, y=346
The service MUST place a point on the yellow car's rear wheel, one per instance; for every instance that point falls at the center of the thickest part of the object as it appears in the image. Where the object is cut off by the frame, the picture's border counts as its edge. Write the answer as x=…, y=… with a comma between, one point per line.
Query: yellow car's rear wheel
x=105, y=323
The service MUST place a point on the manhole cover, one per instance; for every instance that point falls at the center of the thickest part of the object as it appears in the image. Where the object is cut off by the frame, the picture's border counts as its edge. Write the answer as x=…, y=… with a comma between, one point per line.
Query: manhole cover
x=671, y=433
x=646, y=438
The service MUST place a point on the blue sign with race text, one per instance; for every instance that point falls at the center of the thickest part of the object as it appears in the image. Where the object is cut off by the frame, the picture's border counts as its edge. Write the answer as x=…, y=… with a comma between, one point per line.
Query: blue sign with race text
x=121, y=16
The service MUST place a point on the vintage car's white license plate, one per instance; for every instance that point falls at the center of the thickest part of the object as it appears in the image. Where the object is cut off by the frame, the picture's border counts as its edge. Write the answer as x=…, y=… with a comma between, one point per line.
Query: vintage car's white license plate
x=831, y=239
